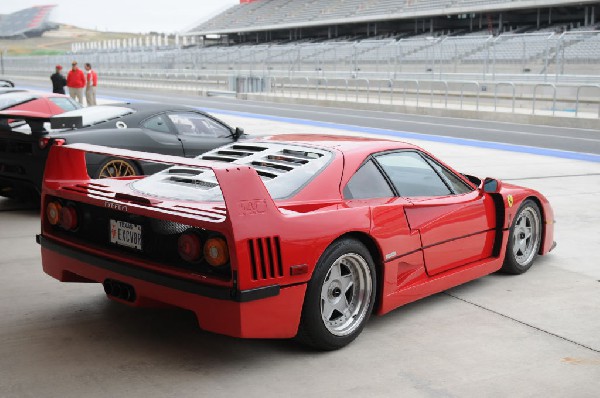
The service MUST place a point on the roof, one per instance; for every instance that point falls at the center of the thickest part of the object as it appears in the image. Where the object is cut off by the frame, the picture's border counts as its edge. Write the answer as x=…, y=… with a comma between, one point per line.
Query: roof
x=345, y=144
x=26, y=21
x=267, y=15
x=145, y=109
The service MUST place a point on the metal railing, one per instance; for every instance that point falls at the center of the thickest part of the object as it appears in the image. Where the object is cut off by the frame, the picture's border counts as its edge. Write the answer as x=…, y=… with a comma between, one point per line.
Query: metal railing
x=570, y=57
x=535, y=98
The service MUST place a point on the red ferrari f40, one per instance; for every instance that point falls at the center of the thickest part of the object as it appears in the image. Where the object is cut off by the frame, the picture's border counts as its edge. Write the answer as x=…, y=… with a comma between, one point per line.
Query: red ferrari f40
x=287, y=236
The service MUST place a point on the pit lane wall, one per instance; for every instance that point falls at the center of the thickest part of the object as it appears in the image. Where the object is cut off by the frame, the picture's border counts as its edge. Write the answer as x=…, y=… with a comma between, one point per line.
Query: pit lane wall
x=574, y=105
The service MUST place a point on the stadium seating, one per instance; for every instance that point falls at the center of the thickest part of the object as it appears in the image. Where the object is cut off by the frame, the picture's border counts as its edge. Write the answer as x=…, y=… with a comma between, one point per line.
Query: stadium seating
x=283, y=13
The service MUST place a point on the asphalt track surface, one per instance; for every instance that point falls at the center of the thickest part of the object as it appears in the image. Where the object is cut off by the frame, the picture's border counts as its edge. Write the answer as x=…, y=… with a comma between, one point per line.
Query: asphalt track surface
x=570, y=143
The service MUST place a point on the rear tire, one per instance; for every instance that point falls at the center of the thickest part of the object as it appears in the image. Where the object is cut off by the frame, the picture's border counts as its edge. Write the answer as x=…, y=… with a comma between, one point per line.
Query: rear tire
x=524, y=239
x=114, y=167
x=339, y=297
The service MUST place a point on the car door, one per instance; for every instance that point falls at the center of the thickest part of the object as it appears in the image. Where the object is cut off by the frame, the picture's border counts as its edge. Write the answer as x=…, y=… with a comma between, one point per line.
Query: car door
x=199, y=133
x=161, y=136
x=455, y=222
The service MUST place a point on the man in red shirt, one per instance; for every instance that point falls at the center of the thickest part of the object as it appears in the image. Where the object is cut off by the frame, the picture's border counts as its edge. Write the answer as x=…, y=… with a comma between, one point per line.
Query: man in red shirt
x=76, y=82
x=91, y=83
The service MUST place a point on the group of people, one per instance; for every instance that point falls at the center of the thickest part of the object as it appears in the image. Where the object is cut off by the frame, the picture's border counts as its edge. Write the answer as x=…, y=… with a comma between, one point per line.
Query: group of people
x=76, y=81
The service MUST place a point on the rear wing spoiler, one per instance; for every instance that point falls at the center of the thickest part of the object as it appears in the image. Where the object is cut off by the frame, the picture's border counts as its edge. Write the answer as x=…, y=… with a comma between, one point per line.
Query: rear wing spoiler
x=243, y=191
x=36, y=121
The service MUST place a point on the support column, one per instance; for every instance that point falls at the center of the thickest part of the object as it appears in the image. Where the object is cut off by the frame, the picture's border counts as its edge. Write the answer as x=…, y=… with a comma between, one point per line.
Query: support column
x=431, y=26
x=500, y=23
x=549, y=16
x=539, y=16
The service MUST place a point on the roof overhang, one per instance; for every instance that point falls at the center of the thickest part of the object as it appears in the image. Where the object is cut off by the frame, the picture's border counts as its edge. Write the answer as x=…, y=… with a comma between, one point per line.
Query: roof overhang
x=525, y=4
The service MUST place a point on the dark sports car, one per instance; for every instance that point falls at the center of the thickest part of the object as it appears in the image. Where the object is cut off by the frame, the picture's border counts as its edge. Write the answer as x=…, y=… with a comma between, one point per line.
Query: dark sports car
x=151, y=127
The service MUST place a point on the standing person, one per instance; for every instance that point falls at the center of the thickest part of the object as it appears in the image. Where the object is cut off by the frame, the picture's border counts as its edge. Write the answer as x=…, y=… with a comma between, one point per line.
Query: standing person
x=58, y=81
x=91, y=83
x=76, y=82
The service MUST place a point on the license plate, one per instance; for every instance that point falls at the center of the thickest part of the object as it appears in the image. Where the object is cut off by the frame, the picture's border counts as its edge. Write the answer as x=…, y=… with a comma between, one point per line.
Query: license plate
x=126, y=234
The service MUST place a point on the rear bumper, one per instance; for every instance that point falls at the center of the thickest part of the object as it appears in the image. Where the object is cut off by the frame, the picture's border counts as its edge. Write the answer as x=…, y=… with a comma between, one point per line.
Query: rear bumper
x=269, y=312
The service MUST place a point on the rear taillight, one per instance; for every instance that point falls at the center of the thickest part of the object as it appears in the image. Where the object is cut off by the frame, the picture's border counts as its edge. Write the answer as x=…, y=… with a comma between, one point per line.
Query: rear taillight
x=68, y=218
x=63, y=216
x=53, y=212
x=216, y=252
x=46, y=141
x=189, y=247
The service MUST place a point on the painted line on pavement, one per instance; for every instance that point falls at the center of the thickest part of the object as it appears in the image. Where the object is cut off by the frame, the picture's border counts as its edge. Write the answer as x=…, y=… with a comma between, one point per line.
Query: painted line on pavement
x=418, y=136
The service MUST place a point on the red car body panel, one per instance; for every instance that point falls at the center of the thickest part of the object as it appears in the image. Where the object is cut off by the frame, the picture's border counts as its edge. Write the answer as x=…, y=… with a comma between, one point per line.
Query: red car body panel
x=420, y=246
x=41, y=105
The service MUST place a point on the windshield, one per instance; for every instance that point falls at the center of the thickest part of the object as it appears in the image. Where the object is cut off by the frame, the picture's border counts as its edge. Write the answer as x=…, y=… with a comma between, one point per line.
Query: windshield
x=97, y=114
x=284, y=169
x=8, y=100
x=65, y=103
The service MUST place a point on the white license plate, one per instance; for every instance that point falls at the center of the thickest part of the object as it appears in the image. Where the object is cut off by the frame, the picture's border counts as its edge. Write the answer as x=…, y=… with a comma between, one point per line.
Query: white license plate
x=126, y=234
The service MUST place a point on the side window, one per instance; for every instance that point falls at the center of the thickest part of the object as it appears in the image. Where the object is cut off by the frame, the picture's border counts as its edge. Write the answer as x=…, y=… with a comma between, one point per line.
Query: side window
x=196, y=124
x=455, y=183
x=411, y=175
x=156, y=123
x=66, y=104
x=366, y=183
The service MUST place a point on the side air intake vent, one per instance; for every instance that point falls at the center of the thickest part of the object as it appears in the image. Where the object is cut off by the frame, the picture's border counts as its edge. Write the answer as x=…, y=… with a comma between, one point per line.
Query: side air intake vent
x=265, y=258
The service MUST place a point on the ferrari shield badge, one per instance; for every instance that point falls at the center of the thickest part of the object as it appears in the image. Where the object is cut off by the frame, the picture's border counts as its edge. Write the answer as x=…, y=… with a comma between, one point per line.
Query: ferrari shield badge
x=510, y=200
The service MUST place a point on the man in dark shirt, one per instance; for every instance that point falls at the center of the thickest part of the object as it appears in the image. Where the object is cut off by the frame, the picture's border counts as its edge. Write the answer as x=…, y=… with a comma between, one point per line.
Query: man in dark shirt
x=58, y=81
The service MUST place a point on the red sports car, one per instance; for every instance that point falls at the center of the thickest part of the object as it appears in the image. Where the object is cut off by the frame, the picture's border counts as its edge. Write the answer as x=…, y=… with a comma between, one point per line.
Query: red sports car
x=286, y=236
x=44, y=103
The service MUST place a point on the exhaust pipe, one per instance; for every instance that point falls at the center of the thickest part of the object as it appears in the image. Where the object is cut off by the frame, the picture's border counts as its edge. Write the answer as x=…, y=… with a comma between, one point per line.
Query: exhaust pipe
x=120, y=290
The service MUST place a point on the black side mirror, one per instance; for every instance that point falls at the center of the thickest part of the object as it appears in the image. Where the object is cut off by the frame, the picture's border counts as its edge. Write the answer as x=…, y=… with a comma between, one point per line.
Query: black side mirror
x=238, y=133
x=491, y=185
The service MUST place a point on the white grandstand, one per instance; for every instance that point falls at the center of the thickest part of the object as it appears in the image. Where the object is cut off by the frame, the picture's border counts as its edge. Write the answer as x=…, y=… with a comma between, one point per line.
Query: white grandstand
x=525, y=56
x=273, y=15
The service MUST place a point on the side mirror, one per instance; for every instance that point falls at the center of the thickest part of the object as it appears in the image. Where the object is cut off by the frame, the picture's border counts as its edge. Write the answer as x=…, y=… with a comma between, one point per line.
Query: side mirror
x=238, y=133
x=491, y=185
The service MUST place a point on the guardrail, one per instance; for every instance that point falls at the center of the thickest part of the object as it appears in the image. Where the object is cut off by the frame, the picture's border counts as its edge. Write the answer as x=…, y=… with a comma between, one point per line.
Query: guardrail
x=563, y=100
x=550, y=99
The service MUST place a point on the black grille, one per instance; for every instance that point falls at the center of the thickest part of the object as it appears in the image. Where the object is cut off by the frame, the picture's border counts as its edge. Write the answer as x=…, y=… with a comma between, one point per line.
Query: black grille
x=11, y=168
x=9, y=146
x=265, y=258
x=159, y=237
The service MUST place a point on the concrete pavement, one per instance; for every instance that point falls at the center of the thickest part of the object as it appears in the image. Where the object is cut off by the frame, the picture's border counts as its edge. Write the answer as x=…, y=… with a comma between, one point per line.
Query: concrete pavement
x=520, y=336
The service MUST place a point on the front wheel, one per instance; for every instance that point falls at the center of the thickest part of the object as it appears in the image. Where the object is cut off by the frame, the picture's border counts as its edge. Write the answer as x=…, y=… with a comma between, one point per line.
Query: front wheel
x=524, y=239
x=339, y=297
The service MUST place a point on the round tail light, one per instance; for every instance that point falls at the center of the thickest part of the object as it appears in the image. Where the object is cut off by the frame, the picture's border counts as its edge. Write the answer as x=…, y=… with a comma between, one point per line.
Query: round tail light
x=53, y=210
x=216, y=252
x=68, y=218
x=189, y=247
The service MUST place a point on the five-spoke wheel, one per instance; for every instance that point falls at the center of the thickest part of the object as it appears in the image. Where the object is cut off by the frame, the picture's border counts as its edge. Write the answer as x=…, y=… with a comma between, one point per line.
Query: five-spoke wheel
x=339, y=297
x=524, y=239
